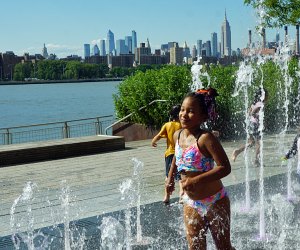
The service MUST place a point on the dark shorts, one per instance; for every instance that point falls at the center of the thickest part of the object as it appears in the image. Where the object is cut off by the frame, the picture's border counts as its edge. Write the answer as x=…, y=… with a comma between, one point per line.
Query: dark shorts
x=168, y=161
x=253, y=130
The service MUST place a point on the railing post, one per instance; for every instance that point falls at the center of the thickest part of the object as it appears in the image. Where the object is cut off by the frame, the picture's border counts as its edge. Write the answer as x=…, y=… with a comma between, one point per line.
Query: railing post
x=66, y=133
x=98, y=126
x=8, y=138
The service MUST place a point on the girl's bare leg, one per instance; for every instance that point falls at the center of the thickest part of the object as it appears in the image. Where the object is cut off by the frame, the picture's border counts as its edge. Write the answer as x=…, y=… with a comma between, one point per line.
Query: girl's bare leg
x=219, y=223
x=167, y=196
x=196, y=228
x=236, y=152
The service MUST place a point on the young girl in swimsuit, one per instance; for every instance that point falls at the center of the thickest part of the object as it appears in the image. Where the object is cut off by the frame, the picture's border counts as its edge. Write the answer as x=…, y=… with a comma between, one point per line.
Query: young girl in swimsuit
x=206, y=203
x=254, y=134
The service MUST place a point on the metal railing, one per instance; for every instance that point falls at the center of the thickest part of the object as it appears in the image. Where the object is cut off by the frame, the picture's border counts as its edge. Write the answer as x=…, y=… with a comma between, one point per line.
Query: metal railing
x=55, y=130
x=127, y=116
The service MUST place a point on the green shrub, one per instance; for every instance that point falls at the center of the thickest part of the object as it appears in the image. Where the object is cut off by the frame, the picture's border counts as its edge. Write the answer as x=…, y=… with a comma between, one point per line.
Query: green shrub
x=169, y=83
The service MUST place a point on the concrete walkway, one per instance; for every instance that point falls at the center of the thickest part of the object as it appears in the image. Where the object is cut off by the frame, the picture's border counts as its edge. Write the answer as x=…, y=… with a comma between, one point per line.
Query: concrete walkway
x=94, y=180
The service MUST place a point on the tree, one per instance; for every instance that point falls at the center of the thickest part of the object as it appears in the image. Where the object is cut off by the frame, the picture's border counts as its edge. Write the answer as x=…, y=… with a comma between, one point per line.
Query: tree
x=22, y=71
x=278, y=12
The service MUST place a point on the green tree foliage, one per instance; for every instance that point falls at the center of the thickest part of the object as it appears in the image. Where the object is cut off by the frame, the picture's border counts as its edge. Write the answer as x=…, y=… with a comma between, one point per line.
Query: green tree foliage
x=170, y=83
x=119, y=72
x=278, y=12
x=23, y=70
x=223, y=78
x=57, y=70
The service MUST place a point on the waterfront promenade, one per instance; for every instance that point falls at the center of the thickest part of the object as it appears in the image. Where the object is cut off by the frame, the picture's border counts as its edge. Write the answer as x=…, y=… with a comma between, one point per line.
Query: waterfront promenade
x=94, y=180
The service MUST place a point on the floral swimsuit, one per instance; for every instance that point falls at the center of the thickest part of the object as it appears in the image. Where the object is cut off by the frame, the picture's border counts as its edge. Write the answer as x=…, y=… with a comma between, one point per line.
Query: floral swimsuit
x=191, y=159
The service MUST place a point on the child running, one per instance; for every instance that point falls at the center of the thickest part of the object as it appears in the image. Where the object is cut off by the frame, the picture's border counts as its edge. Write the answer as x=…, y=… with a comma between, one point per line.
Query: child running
x=254, y=134
x=206, y=202
x=167, y=131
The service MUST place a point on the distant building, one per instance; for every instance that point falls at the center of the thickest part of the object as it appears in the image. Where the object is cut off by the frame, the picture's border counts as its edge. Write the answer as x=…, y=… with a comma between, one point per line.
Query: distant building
x=96, y=50
x=148, y=45
x=186, y=50
x=176, y=54
x=225, y=38
x=171, y=45
x=164, y=48
x=134, y=41
x=157, y=52
x=45, y=52
x=128, y=44
x=125, y=60
x=214, y=44
x=110, y=42
x=199, y=47
x=102, y=48
x=121, y=47
x=96, y=59
x=207, y=48
x=86, y=50
x=142, y=51
x=8, y=60
x=71, y=58
x=194, y=52
x=153, y=59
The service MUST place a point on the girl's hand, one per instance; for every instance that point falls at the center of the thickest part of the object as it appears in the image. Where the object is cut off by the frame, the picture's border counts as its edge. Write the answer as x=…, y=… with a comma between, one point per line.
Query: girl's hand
x=170, y=186
x=188, y=183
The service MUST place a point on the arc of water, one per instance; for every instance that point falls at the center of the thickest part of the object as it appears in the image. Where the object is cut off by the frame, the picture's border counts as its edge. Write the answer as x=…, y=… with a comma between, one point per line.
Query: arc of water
x=262, y=232
x=243, y=81
x=138, y=167
x=298, y=164
x=26, y=197
x=289, y=180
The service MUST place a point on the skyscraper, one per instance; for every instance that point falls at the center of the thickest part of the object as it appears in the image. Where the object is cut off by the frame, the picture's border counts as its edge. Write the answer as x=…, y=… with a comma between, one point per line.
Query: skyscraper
x=199, y=48
x=110, y=42
x=45, y=52
x=121, y=47
x=176, y=54
x=128, y=44
x=186, y=50
x=102, y=48
x=225, y=38
x=194, y=52
x=134, y=41
x=214, y=44
x=96, y=50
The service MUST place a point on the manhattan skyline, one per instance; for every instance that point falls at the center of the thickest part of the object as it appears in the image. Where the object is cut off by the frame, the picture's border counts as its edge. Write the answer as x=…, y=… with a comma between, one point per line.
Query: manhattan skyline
x=64, y=26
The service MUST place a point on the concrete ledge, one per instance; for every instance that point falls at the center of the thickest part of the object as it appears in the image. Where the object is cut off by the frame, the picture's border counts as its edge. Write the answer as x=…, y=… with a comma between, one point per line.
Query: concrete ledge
x=57, y=149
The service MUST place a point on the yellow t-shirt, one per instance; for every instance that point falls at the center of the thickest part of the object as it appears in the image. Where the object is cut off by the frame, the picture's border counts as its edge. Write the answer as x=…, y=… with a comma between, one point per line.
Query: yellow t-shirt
x=167, y=131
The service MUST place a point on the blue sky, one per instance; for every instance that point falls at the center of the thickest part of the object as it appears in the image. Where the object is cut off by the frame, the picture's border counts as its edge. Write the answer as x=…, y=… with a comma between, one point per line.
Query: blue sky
x=65, y=25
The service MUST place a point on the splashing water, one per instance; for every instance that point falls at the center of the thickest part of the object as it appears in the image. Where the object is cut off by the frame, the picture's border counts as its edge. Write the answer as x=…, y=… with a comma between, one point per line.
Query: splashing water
x=196, y=75
x=23, y=226
x=243, y=81
x=112, y=234
x=22, y=222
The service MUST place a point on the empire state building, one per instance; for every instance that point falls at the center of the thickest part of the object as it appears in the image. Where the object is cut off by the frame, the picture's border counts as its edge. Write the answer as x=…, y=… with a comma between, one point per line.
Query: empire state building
x=225, y=38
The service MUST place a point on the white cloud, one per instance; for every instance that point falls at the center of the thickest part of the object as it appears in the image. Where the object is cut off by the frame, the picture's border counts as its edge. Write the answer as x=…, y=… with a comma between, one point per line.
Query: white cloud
x=96, y=41
x=60, y=50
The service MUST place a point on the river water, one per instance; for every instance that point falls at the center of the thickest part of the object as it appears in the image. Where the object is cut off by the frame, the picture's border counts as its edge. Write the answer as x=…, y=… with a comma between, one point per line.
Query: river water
x=42, y=103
